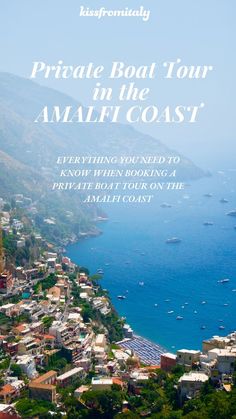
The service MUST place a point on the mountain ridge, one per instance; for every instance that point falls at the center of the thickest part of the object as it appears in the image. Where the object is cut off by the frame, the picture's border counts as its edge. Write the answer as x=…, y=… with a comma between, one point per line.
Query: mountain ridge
x=37, y=145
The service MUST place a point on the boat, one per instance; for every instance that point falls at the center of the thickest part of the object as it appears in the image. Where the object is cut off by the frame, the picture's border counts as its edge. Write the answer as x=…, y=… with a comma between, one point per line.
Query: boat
x=208, y=195
x=121, y=297
x=223, y=281
x=203, y=302
x=100, y=218
x=170, y=312
x=156, y=305
x=232, y=213
x=179, y=318
x=224, y=201
x=208, y=223
x=195, y=311
x=165, y=205
x=221, y=327
x=203, y=327
x=141, y=283
x=173, y=240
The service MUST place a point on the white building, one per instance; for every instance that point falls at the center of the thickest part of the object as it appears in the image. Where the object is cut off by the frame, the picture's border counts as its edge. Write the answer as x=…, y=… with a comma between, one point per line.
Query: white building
x=225, y=359
x=70, y=376
x=99, y=383
x=190, y=384
x=100, y=340
x=188, y=357
x=27, y=364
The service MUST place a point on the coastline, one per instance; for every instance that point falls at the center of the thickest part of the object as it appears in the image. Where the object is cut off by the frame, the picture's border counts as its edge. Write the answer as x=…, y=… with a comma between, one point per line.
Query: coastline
x=139, y=344
x=177, y=280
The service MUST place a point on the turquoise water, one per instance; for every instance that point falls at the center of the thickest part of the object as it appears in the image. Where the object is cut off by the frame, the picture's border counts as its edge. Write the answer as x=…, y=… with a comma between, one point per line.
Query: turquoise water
x=176, y=277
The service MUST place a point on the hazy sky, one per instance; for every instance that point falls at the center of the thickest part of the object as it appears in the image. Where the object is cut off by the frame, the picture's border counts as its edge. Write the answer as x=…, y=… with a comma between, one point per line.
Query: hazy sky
x=198, y=32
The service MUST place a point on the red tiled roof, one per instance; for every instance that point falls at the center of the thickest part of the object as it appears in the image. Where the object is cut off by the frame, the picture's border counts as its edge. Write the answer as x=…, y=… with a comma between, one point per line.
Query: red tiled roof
x=50, y=337
x=7, y=389
x=117, y=381
x=20, y=327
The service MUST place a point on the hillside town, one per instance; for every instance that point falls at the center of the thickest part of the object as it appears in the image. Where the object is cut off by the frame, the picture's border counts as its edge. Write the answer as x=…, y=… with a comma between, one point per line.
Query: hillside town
x=65, y=353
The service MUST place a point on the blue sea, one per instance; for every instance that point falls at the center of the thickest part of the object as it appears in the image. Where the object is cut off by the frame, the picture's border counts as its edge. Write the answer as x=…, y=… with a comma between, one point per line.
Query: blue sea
x=180, y=278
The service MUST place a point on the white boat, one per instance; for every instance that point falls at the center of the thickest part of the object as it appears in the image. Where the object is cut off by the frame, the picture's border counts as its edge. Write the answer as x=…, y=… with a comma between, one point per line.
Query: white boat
x=179, y=318
x=165, y=205
x=232, y=213
x=173, y=240
x=170, y=312
x=223, y=281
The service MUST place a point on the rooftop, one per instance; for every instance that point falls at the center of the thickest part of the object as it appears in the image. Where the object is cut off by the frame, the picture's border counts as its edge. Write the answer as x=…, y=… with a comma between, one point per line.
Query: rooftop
x=194, y=376
x=7, y=389
x=169, y=355
x=190, y=351
x=103, y=380
x=70, y=373
x=44, y=377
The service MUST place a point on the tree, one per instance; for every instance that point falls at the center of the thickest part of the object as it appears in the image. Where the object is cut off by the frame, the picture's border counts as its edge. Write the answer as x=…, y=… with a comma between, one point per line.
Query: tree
x=218, y=406
x=16, y=369
x=127, y=415
x=6, y=207
x=106, y=402
x=47, y=321
x=28, y=408
x=87, y=312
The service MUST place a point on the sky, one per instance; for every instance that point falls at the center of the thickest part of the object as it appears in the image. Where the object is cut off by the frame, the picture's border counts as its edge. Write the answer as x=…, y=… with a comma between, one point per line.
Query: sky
x=199, y=32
